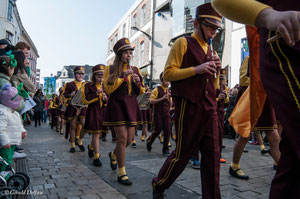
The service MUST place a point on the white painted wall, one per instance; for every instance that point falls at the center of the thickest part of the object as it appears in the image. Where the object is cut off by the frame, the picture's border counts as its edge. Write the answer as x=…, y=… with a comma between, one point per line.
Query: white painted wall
x=162, y=35
x=238, y=32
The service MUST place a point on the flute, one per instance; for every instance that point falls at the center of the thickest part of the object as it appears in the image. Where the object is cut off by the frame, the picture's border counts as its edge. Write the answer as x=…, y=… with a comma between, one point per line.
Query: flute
x=212, y=52
x=131, y=69
x=274, y=38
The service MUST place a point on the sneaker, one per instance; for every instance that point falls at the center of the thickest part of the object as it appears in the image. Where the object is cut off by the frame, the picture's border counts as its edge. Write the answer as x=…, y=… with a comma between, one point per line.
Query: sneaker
x=19, y=149
x=81, y=147
x=18, y=155
x=195, y=164
x=97, y=162
x=158, y=195
x=90, y=152
x=222, y=160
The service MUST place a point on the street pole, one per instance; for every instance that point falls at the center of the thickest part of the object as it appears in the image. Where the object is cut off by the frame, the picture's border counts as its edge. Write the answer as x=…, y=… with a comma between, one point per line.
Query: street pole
x=152, y=46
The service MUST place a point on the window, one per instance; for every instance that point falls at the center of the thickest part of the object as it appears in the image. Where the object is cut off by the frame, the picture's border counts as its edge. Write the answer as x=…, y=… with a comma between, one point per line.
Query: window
x=133, y=24
x=124, y=30
x=111, y=46
x=10, y=10
x=116, y=38
x=9, y=36
x=133, y=57
x=134, y=20
x=141, y=54
x=143, y=15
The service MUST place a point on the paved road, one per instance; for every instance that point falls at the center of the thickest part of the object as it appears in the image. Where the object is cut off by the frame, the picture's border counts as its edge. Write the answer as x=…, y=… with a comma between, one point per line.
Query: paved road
x=59, y=174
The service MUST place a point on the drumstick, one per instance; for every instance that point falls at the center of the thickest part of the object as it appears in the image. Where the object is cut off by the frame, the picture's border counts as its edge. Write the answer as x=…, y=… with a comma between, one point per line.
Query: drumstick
x=274, y=38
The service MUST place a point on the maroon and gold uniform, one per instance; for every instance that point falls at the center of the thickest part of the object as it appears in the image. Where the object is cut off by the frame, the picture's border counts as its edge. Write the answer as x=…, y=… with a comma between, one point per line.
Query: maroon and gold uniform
x=122, y=107
x=95, y=110
x=71, y=112
x=196, y=120
x=161, y=117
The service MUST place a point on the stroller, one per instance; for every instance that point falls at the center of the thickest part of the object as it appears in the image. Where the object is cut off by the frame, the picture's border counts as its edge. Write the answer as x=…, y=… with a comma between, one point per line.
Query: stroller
x=10, y=180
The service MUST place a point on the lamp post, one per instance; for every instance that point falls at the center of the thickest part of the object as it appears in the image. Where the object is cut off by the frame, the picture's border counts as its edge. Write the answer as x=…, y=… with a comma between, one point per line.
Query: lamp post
x=151, y=39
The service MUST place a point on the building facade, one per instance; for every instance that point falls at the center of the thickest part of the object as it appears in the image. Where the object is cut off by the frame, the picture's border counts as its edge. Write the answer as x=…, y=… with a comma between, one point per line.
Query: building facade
x=159, y=23
x=145, y=35
x=11, y=28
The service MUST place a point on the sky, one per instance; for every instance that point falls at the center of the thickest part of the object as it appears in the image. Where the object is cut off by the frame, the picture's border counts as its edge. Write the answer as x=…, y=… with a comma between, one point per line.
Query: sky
x=70, y=32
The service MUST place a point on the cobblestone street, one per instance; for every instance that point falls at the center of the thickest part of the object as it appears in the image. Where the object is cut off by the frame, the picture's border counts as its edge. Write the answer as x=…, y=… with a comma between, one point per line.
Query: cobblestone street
x=57, y=173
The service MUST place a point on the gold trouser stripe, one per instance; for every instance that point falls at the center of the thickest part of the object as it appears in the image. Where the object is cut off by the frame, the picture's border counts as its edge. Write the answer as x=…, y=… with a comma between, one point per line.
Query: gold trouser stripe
x=284, y=73
x=289, y=64
x=179, y=142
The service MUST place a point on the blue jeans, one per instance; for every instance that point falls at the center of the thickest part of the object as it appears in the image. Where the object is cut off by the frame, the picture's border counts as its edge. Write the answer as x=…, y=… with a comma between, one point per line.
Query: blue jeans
x=45, y=116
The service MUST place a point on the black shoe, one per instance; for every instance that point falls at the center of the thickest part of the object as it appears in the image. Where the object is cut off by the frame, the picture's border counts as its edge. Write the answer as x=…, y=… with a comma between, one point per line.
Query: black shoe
x=66, y=135
x=236, y=175
x=148, y=146
x=90, y=152
x=76, y=141
x=81, y=147
x=124, y=182
x=245, y=150
x=158, y=195
x=264, y=151
x=275, y=167
x=113, y=166
x=19, y=149
x=133, y=145
x=72, y=150
x=97, y=162
x=104, y=139
x=166, y=154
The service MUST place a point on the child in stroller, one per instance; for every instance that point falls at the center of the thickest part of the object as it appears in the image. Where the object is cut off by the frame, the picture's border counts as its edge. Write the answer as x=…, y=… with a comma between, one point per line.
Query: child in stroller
x=11, y=133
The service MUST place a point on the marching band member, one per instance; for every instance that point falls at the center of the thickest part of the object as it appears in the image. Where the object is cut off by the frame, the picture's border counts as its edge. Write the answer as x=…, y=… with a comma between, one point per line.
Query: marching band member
x=160, y=99
x=94, y=96
x=190, y=67
x=74, y=112
x=123, y=83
